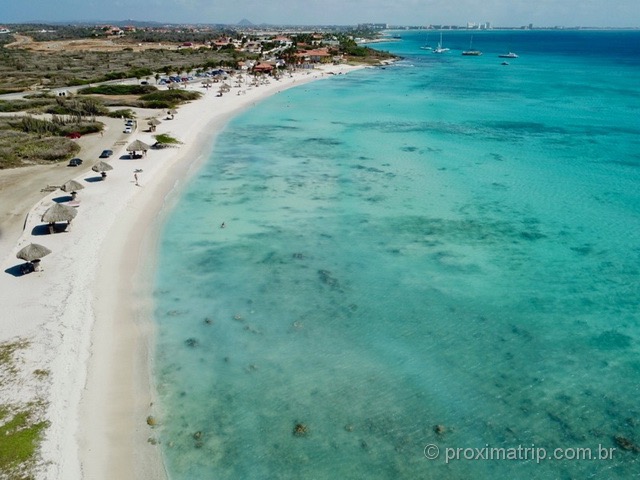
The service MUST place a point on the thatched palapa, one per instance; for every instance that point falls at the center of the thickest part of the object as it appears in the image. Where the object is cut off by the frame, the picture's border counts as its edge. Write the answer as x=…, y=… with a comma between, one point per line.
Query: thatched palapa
x=101, y=167
x=71, y=186
x=138, y=146
x=32, y=252
x=58, y=213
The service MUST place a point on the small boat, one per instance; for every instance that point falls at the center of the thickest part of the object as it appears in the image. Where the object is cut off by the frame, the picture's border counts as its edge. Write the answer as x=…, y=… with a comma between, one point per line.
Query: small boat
x=426, y=45
x=440, y=48
x=471, y=52
x=508, y=55
x=504, y=63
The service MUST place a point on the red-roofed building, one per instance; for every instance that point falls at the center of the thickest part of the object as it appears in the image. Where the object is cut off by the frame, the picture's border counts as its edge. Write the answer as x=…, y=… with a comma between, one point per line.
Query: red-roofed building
x=263, y=68
x=319, y=55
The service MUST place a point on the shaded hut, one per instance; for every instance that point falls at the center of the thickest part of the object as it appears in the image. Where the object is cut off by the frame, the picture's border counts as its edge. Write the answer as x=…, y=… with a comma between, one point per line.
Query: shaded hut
x=137, y=146
x=103, y=168
x=72, y=187
x=32, y=254
x=153, y=123
x=58, y=213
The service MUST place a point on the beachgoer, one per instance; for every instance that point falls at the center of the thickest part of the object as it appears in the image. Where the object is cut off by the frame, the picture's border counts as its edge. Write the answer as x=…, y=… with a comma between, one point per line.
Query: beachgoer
x=135, y=177
x=222, y=225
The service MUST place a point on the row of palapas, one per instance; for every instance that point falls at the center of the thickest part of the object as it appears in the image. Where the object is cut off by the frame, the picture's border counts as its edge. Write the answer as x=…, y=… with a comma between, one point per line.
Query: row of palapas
x=33, y=253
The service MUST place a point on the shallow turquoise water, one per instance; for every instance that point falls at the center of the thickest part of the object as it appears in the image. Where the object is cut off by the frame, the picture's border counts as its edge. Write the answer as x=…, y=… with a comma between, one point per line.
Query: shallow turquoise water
x=447, y=241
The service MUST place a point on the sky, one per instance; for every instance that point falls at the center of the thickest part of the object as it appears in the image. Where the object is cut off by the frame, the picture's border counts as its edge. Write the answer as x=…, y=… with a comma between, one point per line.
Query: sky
x=543, y=13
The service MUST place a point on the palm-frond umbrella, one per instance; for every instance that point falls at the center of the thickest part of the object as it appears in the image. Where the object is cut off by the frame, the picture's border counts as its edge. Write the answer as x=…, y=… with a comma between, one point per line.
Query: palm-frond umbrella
x=153, y=123
x=71, y=186
x=102, y=167
x=138, y=146
x=58, y=213
x=32, y=254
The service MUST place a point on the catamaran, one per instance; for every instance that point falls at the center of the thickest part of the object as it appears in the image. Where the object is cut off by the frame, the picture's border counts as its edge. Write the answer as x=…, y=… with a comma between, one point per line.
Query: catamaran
x=440, y=48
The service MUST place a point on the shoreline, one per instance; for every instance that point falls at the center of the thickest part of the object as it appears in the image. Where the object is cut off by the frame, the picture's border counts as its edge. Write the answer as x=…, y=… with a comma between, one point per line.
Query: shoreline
x=88, y=315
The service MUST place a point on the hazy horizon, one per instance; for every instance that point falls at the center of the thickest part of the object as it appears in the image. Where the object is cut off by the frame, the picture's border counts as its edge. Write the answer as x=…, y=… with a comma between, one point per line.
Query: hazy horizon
x=500, y=13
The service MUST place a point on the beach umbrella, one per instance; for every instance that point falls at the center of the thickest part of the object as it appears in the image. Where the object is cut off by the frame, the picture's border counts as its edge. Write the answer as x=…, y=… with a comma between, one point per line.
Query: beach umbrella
x=33, y=252
x=59, y=213
x=173, y=111
x=154, y=121
x=137, y=146
x=101, y=167
x=71, y=186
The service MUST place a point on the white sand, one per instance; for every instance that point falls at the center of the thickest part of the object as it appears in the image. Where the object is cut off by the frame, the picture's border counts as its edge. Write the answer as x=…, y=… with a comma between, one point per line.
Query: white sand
x=87, y=315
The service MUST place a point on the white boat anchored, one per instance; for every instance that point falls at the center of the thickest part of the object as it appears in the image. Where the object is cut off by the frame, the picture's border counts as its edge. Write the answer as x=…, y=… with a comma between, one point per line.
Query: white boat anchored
x=508, y=55
x=440, y=48
x=426, y=45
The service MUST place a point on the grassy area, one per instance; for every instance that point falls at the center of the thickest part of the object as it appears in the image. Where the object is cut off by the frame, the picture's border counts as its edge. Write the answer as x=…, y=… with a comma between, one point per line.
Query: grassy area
x=21, y=425
x=118, y=90
x=168, y=98
x=19, y=148
x=22, y=69
x=21, y=436
x=7, y=355
x=26, y=140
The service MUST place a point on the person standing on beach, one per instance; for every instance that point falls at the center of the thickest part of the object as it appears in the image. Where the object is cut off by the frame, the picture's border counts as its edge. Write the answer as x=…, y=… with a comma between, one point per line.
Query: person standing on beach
x=135, y=177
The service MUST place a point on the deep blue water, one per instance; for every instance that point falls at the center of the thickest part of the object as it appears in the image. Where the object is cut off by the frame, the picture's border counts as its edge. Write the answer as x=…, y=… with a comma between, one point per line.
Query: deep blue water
x=444, y=251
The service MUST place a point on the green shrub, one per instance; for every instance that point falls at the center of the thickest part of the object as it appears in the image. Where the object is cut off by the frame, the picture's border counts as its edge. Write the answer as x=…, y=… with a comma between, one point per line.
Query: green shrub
x=118, y=90
x=121, y=113
x=166, y=139
x=168, y=98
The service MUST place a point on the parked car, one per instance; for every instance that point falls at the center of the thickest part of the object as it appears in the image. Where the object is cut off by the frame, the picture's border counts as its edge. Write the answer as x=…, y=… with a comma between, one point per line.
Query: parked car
x=75, y=162
x=128, y=130
x=74, y=135
x=106, y=153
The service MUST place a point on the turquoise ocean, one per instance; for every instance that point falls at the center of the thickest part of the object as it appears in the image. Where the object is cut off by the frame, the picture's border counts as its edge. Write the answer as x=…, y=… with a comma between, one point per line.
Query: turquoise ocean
x=441, y=252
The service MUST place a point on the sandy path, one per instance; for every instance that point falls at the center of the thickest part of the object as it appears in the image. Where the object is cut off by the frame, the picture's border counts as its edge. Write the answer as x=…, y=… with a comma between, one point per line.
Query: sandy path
x=20, y=188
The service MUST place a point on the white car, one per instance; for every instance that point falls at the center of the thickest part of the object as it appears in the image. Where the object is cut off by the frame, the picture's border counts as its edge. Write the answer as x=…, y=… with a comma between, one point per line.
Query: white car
x=128, y=130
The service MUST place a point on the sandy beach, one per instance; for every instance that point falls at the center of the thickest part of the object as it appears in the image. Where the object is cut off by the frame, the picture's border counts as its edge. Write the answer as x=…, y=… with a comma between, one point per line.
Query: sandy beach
x=87, y=316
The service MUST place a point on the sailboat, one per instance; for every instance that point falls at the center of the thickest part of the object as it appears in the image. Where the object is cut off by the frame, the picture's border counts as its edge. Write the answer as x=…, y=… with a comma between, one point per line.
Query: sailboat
x=471, y=52
x=426, y=45
x=440, y=48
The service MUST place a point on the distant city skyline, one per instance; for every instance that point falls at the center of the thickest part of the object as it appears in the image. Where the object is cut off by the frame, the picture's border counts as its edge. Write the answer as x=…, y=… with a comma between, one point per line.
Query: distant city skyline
x=542, y=13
